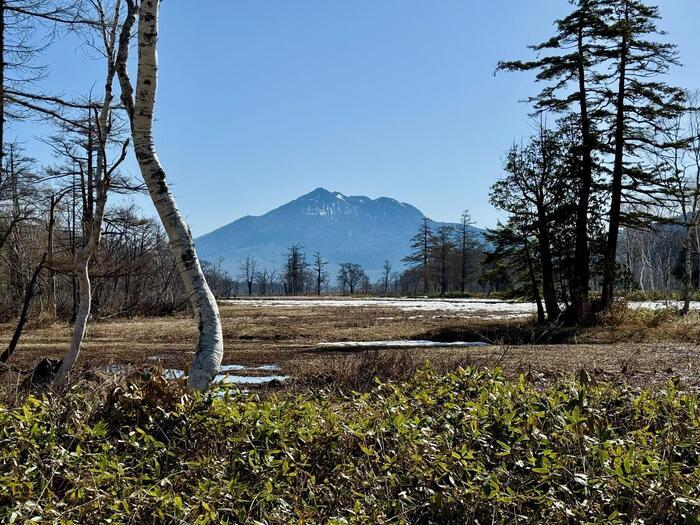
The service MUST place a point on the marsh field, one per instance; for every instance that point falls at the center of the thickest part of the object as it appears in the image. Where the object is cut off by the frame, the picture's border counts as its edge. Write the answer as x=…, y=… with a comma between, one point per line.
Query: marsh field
x=284, y=342
x=340, y=411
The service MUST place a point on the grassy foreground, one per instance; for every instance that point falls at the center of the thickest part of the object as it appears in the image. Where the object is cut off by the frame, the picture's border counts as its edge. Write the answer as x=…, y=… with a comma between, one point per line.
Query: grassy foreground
x=467, y=446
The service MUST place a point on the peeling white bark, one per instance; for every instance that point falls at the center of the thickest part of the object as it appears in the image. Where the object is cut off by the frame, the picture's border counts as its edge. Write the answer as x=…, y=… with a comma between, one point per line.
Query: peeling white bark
x=210, y=346
x=80, y=325
x=82, y=262
x=101, y=183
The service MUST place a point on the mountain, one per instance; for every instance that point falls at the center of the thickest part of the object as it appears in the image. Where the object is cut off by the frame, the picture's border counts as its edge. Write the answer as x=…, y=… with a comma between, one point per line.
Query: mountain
x=342, y=228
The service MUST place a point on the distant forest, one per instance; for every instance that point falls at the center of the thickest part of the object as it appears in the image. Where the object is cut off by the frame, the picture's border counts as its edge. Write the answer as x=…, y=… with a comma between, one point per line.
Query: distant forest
x=444, y=260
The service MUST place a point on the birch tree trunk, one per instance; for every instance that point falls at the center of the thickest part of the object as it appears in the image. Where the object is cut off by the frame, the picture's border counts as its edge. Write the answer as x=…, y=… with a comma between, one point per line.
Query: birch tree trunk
x=82, y=262
x=210, y=346
x=81, y=319
x=99, y=181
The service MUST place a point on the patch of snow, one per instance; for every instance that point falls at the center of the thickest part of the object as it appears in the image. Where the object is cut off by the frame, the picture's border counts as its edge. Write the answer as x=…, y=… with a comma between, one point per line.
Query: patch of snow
x=491, y=309
x=159, y=357
x=467, y=308
x=662, y=305
x=236, y=368
x=173, y=373
x=229, y=379
x=401, y=344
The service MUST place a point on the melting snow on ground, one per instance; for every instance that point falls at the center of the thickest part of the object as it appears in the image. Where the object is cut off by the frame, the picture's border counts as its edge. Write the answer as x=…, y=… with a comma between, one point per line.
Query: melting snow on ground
x=224, y=377
x=482, y=307
x=247, y=380
x=400, y=344
x=466, y=308
x=660, y=305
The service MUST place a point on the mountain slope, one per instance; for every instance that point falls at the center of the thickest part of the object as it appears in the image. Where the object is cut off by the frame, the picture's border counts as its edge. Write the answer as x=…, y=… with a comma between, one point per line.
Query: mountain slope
x=342, y=228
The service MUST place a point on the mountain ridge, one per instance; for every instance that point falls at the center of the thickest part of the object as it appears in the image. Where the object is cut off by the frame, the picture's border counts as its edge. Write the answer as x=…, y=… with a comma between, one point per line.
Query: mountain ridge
x=341, y=228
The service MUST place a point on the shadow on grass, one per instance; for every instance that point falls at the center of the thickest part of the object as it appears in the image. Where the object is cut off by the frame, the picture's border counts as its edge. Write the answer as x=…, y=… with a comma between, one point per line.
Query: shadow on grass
x=503, y=334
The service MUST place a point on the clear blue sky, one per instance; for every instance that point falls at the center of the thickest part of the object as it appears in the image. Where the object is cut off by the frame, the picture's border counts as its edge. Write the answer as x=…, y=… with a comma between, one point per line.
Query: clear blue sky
x=263, y=100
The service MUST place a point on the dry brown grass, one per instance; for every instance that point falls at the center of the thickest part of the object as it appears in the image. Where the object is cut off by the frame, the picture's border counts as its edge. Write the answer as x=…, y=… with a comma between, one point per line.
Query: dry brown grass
x=643, y=347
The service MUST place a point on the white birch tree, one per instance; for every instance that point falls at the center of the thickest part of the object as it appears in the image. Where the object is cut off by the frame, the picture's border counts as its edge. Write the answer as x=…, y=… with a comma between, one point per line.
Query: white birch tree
x=99, y=127
x=140, y=108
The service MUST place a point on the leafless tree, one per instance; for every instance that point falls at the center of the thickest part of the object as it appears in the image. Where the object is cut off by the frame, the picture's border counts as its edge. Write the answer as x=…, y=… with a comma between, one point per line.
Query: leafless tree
x=386, y=276
x=98, y=178
x=680, y=179
x=350, y=276
x=265, y=281
x=295, y=274
x=248, y=272
x=320, y=274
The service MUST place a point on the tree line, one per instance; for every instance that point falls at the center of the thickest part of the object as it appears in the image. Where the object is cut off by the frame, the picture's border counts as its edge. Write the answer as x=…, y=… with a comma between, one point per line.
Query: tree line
x=444, y=259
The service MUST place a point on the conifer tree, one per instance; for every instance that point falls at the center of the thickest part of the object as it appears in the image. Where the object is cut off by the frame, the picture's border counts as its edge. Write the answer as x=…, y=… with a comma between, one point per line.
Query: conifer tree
x=532, y=192
x=513, y=247
x=443, y=246
x=641, y=103
x=467, y=243
x=419, y=258
x=570, y=69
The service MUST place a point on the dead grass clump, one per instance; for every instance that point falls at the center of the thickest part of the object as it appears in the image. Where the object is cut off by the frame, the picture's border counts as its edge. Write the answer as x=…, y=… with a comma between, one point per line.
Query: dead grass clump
x=502, y=333
x=43, y=320
x=617, y=314
x=359, y=371
x=654, y=318
x=644, y=325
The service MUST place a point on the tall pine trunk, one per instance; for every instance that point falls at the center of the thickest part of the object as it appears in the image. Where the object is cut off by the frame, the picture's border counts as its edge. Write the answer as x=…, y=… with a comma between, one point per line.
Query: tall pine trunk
x=609, y=263
x=426, y=255
x=463, y=277
x=2, y=88
x=51, y=280
x=581, y=275
x=548, y=289
x=210, y=345
x=533, y=284
x=443, y=273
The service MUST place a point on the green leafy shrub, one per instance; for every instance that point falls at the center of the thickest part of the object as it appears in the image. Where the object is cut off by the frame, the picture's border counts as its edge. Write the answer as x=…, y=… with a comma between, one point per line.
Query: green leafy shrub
x=468, y=446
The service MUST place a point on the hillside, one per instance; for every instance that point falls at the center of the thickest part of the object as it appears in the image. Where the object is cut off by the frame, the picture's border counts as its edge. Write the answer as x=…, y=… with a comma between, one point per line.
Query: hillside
x=342, y=228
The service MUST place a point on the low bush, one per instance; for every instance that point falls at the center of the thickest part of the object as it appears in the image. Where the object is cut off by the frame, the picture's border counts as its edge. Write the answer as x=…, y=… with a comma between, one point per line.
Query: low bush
x=462, y=447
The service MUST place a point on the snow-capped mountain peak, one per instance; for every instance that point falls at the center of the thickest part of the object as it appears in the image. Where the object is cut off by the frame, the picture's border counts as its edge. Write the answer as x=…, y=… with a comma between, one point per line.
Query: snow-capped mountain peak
x=342, y=228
